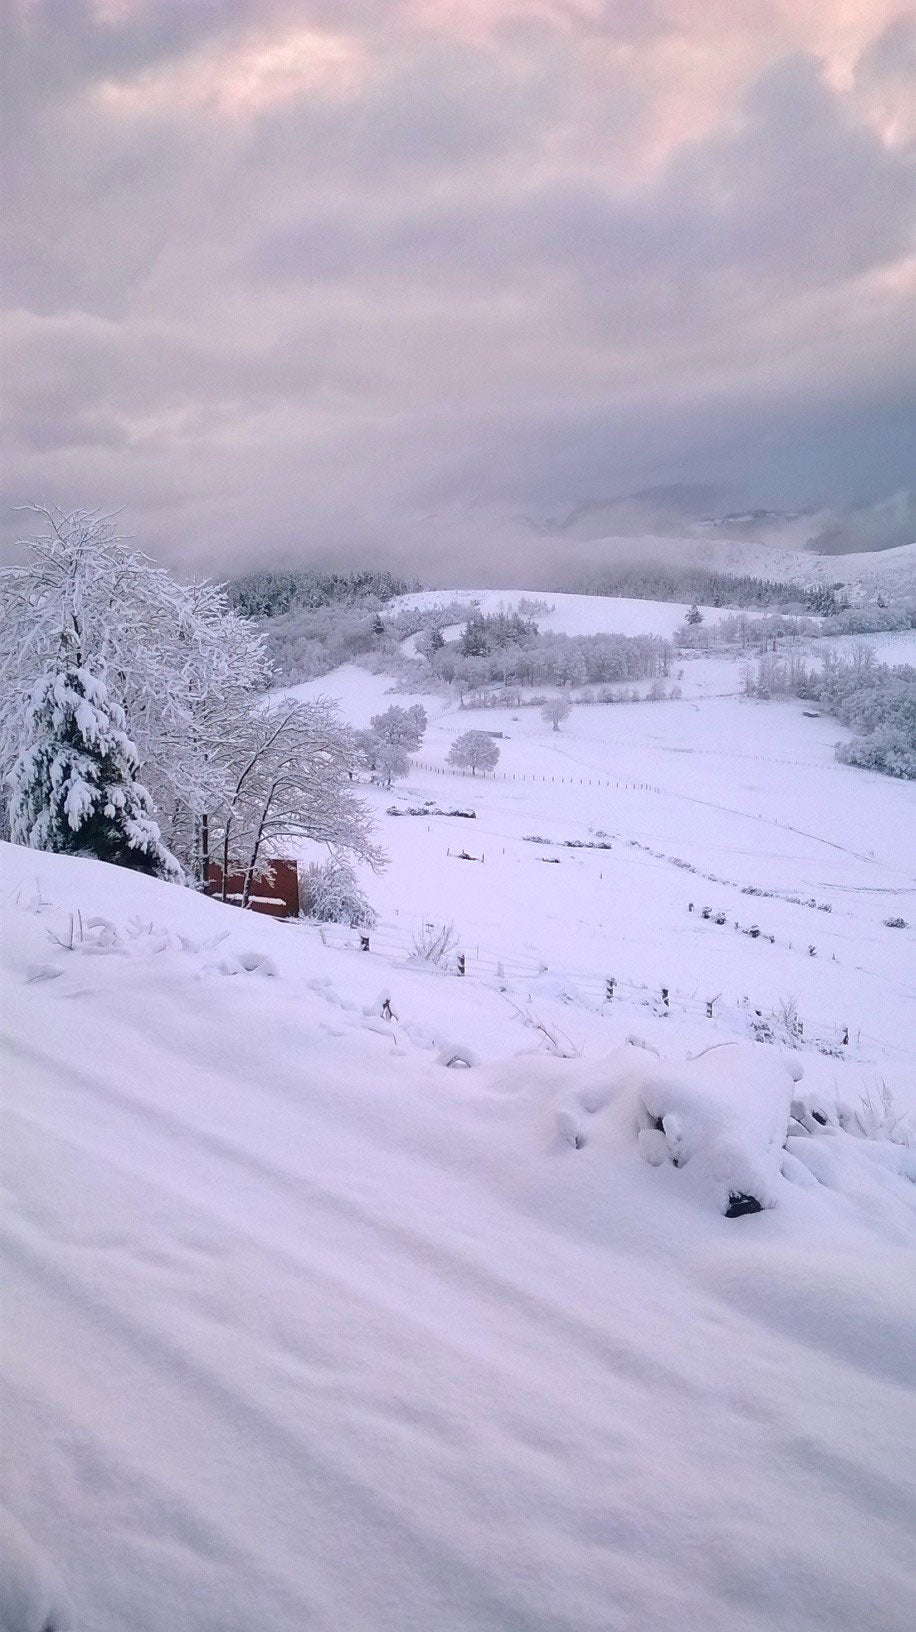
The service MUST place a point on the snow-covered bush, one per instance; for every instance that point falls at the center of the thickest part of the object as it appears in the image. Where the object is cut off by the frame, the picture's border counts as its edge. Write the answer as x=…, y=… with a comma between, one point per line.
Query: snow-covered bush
x=887, y=750
x=74, y=787
x=333, y=895
x=434, y=943
x=877, y=1117
x=473, y=751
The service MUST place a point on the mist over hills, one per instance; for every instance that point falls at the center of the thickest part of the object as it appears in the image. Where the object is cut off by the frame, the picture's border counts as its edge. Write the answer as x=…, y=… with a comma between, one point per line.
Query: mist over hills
x=832, y=529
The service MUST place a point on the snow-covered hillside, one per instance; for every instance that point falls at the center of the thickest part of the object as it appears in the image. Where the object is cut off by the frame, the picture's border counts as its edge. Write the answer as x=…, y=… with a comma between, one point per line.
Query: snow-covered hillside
x=304, y=1328
x=574, y=614
x=893, y=569
x=570, y=1293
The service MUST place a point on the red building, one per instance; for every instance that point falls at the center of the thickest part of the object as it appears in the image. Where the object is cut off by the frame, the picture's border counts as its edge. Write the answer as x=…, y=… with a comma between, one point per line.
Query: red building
x=277, y=897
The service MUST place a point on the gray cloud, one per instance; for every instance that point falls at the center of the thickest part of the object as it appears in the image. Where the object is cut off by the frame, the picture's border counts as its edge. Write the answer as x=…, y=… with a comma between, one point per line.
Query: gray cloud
x=438, y=276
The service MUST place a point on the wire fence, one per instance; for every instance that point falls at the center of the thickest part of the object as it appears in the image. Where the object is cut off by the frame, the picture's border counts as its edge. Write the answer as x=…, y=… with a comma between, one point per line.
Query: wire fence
x=600, y=992
x=531, y=776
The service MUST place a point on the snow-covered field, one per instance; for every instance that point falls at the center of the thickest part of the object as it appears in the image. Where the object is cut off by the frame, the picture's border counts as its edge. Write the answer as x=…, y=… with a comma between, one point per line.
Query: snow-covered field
x=575, y=614
x=306, y=1329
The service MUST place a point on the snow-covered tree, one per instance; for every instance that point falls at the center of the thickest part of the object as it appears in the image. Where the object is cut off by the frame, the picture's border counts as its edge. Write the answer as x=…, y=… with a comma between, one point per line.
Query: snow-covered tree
x=333, y=894
x=555, y=711
x=368, y=749
x=473, y=751
x=392, y=763
x=693, y=615
x=182, y=665
x=292, y=782
x=401, y=727
x=385, y=761
x=74, y=786
x=474, y=640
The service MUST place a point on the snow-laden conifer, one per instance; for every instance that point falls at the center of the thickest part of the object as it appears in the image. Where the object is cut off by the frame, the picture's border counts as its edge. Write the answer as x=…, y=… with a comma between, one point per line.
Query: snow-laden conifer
x=74, y=785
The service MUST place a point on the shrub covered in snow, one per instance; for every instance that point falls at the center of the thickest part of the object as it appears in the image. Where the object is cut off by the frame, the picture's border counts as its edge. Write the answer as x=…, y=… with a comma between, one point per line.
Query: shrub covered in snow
x=333, y=894
x=434, y=944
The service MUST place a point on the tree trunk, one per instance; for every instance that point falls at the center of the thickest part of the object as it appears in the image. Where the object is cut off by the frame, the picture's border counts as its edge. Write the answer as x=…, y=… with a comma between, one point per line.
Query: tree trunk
x=205, y=850
x=226, y=830
x=256, y=846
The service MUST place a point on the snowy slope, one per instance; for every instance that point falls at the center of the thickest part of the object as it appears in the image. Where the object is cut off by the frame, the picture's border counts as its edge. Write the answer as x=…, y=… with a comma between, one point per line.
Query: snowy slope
x=716, y=801
x=894, y=570
x=575, y=614
x=303, y=1329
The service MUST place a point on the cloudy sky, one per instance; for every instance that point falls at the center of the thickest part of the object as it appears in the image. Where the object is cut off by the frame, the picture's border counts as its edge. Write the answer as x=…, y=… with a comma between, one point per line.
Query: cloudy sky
x=291, y=279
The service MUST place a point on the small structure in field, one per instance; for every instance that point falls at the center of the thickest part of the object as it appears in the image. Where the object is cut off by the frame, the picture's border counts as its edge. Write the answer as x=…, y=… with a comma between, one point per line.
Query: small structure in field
x=277, y=896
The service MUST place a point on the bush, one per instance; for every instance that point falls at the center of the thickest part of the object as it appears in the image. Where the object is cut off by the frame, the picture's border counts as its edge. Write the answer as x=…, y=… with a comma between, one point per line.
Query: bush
x=435, y=943
x=333, y=895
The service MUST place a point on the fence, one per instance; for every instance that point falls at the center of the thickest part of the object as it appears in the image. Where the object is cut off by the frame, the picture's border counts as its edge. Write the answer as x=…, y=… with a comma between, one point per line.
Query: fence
x=599, y=992
x=530, y=776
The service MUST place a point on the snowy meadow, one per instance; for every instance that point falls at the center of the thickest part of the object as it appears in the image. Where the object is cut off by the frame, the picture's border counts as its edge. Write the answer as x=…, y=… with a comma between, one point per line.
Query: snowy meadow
x=521, y=1238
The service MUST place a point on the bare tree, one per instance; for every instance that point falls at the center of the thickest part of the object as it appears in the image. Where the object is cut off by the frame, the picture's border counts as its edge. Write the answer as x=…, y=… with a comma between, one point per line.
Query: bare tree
x=292, y=783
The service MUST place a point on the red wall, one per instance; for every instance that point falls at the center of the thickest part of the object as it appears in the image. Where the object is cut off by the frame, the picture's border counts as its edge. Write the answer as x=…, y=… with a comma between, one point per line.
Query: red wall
x=279, y=898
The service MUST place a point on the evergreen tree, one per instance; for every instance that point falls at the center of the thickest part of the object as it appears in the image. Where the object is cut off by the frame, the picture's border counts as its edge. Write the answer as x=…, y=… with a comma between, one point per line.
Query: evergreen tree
x=474, y=639
x=74, y=787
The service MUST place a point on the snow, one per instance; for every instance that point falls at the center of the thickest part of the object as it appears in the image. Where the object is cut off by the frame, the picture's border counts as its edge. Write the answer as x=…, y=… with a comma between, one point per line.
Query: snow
x=306, y=1328
x=343, y=1292
x=574, y=614
x=31, y=1596
x=715, y=551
